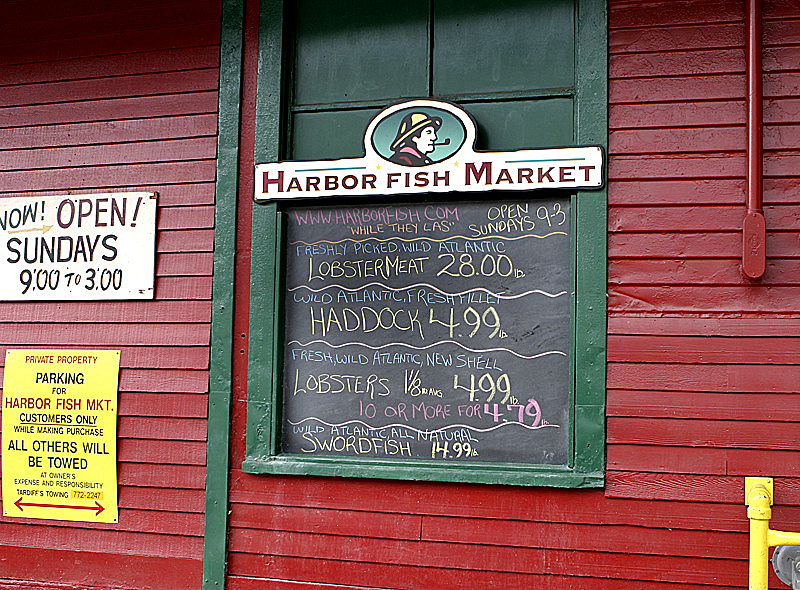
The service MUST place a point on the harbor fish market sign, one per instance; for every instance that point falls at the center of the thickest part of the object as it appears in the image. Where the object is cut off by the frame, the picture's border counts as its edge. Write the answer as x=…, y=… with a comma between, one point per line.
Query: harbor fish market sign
x=427, y=146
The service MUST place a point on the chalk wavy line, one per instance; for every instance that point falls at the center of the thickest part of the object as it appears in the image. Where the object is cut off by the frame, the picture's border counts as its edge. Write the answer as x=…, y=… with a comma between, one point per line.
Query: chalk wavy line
x=434, y=287
x=467, y=426
x=448, y=239
x=498, y=349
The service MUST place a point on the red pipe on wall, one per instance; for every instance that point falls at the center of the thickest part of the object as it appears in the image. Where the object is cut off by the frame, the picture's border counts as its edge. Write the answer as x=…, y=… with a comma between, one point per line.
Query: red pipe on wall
x=754, y=229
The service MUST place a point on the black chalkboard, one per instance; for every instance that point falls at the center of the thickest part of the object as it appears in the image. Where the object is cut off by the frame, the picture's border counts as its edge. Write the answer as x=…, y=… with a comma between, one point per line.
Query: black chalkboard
x=436, y=331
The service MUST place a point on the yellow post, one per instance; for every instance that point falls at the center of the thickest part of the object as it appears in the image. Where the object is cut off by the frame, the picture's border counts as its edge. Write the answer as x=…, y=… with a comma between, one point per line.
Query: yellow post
x=758, y=497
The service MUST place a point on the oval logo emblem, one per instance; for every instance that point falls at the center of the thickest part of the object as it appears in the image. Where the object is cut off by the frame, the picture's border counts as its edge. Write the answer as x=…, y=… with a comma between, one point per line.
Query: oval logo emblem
x=419, y=135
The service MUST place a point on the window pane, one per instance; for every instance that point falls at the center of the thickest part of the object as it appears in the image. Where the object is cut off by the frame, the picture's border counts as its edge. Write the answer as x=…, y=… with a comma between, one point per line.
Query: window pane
x=330, y=135
x=523, y=124
x=361, y=50
x=484, y=46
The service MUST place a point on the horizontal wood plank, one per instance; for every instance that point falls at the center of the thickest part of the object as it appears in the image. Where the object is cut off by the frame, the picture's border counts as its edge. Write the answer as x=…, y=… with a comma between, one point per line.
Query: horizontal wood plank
x=169, y=195
x=385, y=525
x=692, y=488
x=695, y=245
x=712, y=378
x=82, y=567
x=756, y=299
x=703, y=349
x=107, y=312
x=698, y=272
x=518, y=558
x=180, y=126
x=516, y=504
x=613, y=571
x=157, y=451
x=703, y=433
x=111, y=177
x=109, y=109
x=103, y=42
x=170, y=150
x=204, y=79
x=102, y=541
x=705, y=326
x=664, y=459
x=159, y=428
x=164, y=499
x=697, y=405
x=163, y=404
x=87, y=335
x=177, y=59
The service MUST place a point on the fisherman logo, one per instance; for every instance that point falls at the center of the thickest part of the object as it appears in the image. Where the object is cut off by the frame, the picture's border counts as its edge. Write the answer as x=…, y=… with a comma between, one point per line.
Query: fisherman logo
x=418, y=136
x=438, y=138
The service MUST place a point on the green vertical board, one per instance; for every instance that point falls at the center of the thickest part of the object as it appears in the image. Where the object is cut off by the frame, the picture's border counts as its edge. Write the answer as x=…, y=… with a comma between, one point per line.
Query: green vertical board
x=591, y=115
x=219, y=393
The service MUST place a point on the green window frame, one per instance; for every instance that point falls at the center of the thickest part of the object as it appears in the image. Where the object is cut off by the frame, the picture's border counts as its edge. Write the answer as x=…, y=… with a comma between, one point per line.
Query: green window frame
x=588, y=321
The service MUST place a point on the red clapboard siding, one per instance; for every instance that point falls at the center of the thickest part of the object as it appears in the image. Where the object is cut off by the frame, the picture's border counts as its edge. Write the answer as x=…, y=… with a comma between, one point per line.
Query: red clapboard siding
x=162, y=498
x=328, y=522
x=494, y=558
x=111, y=311
x=110, y=87
x=702, y=380
x=196, y=193
x=102, y=568
x=162, y=404
x=110, y=176
x=763, y=407
x=155, y=476
x=714, y=378
x=118, y=109
x=138, y=521
x=696, y=245
x=150, y=61
x=156, y=357
x=560, y=570
x=103, y=96
x=708, y=349
x=201, y=240
x=103, y=43
x=155, y=151
x=147, y=544
x=68, y=23
x=86, y=335
x=701, y=326
x=698, y=272
x=405, y=498
x=459, y=579
x=129, y=130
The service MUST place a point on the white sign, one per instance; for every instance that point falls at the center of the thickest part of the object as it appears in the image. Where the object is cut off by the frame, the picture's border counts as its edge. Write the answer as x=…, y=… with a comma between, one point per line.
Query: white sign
x=78, y=247
x=426, y=146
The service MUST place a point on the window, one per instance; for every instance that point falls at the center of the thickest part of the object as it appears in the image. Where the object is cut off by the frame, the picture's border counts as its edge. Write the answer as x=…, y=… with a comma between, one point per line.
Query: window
x=532, y=74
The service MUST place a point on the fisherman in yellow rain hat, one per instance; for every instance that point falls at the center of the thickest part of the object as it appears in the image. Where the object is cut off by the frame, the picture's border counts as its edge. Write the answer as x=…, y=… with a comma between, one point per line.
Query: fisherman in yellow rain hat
x=415, y=139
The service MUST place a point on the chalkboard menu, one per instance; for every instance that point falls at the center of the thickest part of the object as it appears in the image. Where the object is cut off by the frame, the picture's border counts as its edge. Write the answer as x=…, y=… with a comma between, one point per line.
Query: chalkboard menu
x=436, y=331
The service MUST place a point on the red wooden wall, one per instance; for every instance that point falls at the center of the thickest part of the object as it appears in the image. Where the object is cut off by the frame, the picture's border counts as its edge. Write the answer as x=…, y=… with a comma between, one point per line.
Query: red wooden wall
x=703, y=374
x=99, y=96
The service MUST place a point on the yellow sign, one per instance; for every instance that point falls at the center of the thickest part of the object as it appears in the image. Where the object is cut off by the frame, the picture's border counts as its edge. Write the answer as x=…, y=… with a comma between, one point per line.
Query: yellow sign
x=60, y=434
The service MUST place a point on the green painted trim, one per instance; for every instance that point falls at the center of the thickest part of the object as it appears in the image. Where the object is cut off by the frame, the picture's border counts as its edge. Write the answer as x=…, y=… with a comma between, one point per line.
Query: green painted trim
x=591, y=116
x=263, y=411
x=221, y=364
x=587, y=413
x=498, y=473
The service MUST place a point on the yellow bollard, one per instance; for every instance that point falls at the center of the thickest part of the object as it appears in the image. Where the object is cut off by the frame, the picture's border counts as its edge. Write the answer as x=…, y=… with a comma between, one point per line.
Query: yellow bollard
x=758, y=497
